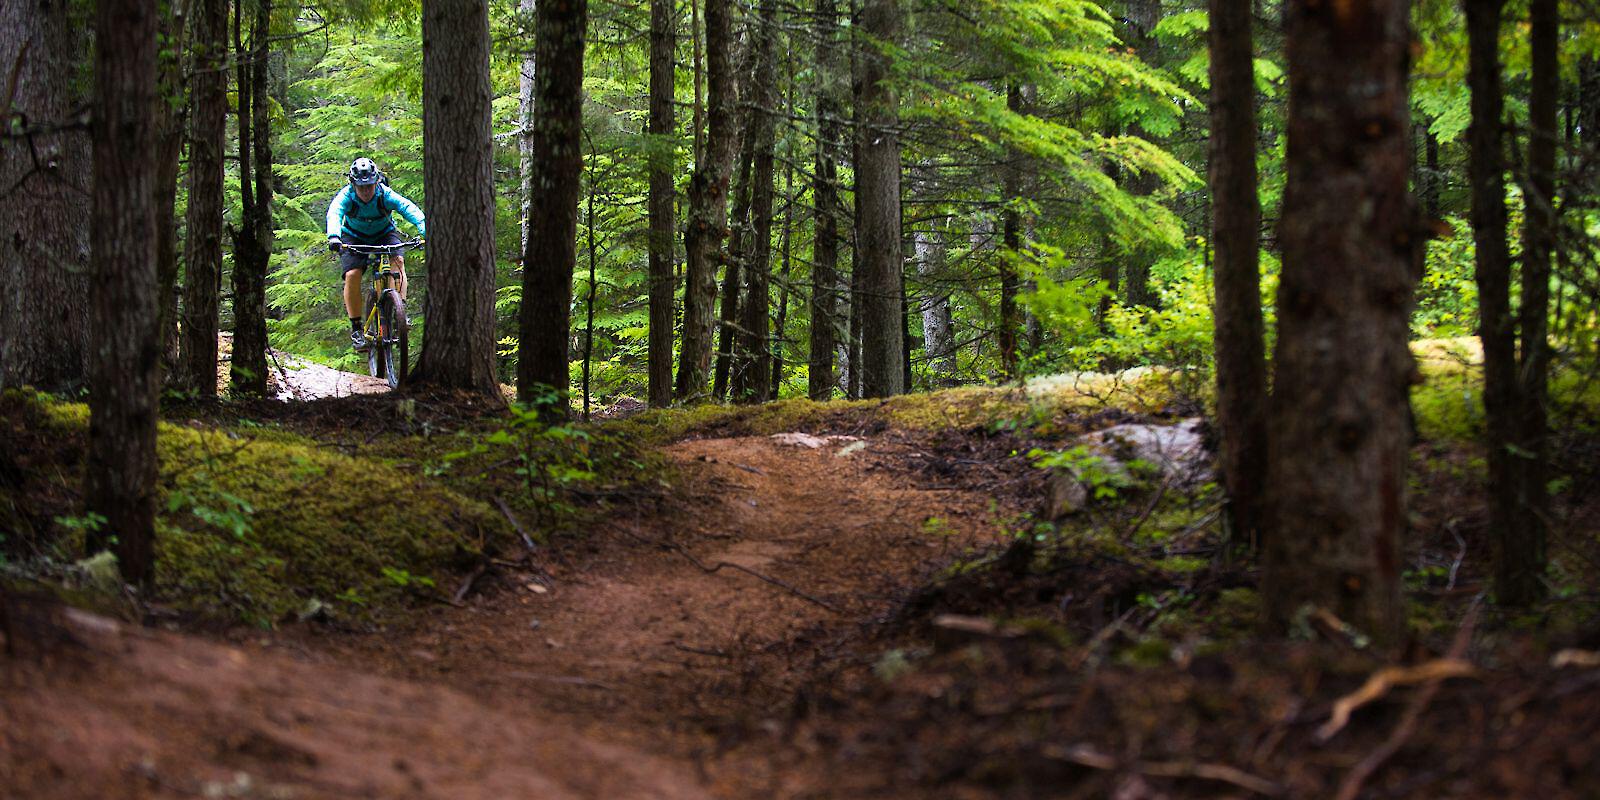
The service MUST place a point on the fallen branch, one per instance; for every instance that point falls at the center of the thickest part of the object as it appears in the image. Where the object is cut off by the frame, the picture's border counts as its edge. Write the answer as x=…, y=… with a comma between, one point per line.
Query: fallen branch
x=1388, y=678
x=699, y=651
x=466, y=584
x=1408, y=723
x=1086, y=756
x=527, y=540
x=283, y=375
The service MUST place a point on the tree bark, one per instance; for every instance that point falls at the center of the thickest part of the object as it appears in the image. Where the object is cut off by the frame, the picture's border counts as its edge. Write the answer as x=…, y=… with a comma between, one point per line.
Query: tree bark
x=663, y=46
x=208, y=103
x=1235, y=225
x=738, y=254
x=1520, y=579
x=44, y=263
x=525, y=112
x=878, y=197
x=780, y=326
x=708, y=198
x=120, y=476
x=825, y=191
x=938, y=340
x=1589, y=102
x=458, y=167
x=1011, y=232
x=253, y=255
x=170, y=136
x=552, y=237
x=1496, y=324
x=754, y=356
x=1350, y=232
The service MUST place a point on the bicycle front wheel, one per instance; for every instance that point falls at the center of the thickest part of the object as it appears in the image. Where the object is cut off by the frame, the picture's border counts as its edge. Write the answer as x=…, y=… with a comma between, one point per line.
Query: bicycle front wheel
x=391, y=319
x=402, y=333
x=377, y=361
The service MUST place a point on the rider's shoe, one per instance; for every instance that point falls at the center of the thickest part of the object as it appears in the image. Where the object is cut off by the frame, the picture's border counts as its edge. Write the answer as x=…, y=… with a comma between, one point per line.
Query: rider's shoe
x=358, y=341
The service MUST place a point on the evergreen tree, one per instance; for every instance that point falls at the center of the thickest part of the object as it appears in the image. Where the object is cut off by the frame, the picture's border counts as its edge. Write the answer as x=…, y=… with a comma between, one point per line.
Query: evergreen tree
x=120, y=474
x=458, y=351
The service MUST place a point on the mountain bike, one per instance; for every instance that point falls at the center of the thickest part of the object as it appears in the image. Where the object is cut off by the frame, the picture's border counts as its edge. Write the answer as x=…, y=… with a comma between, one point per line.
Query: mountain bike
x=385, y=325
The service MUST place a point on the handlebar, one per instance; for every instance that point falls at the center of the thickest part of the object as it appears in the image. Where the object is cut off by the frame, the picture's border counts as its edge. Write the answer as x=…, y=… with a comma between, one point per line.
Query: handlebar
x=384, y=249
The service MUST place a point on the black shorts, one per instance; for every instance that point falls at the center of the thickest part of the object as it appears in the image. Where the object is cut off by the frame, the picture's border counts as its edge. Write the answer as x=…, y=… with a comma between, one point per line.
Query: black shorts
x=349, y=259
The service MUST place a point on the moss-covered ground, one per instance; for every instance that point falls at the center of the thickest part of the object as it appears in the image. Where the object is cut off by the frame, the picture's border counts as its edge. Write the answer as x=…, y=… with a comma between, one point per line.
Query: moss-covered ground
x=356, y=507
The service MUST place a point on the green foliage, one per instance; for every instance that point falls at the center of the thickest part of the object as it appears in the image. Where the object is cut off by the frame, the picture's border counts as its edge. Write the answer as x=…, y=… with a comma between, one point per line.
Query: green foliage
x=1105, y=478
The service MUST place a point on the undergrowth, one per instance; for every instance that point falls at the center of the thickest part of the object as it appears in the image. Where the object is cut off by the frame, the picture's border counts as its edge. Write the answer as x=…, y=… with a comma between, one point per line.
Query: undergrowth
x=258, y=524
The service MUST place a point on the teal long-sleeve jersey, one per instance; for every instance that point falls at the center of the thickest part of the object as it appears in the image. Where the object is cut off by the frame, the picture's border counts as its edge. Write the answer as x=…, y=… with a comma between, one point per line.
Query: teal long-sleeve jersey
x=348, y=216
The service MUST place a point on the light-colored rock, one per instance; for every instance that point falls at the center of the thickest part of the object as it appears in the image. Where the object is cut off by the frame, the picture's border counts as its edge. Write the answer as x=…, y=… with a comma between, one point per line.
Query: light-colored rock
x=1176, y=451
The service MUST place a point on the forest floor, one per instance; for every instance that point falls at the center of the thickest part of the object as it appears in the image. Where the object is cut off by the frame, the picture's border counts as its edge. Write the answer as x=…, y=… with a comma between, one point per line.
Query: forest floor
x=848, y=608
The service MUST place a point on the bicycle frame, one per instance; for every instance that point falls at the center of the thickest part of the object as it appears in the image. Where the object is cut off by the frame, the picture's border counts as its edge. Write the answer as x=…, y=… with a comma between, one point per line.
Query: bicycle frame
x=385, y=330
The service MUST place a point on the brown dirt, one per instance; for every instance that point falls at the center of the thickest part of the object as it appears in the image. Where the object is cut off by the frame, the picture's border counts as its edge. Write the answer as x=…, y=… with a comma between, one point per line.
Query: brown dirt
x=663, y=662
x=726, y=639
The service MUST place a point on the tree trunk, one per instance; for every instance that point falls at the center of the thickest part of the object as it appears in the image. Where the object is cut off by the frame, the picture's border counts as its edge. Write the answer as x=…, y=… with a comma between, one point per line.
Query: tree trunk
x=878, y=197
x=1143, y=16
x=825, y=191
x=525, y=111
x=780, y=338
x=754, y=359
x=169, y=152
x=1589, y=102
x=738, y=255
x=44, y=263
x=663, y=45
x=1496, y=325
x=937, y=325
x=458, y=167
x=120, y=475
x=1349, y=231
x=1520, y=579
x=1432, y=177
x=1235, y=226
x=208, y=104
x=708, y=198
x=697, y=52
x=1011, y=231
x=248, y=369
x=552, y=237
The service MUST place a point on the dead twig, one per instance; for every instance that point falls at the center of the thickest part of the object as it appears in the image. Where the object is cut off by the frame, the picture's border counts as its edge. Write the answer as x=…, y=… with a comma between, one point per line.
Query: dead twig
x=467, y=582
x=565, y=680
x=1388, y=678
x=1408, y=723
x=527, y=540
x=1086, y=756
x=701, y=651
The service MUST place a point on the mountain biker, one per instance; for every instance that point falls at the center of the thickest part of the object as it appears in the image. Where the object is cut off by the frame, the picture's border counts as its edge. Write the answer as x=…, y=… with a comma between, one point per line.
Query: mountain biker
x=359, y=214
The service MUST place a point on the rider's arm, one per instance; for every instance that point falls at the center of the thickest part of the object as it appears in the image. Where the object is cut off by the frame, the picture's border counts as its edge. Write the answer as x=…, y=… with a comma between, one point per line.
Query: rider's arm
x=410, y=211
x=336, y=212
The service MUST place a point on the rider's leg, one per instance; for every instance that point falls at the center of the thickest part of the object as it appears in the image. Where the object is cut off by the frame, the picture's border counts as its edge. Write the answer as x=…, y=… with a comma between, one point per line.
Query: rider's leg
x=399, y=265
x=352, y=293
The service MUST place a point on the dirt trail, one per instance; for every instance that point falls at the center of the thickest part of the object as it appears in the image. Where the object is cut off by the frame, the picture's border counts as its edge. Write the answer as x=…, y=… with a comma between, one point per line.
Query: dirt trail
x=664, y=662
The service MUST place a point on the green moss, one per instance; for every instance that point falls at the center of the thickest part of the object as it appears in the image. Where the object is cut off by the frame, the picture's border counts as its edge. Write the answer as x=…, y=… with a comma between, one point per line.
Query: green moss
x=1037, y=407
x=1449, y=402
x=1149, y=652
x=1182, y=565
x=1235, y=613
x=258, y=525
